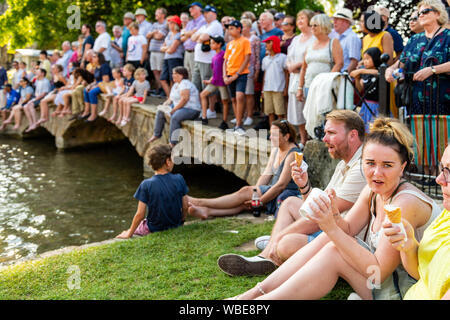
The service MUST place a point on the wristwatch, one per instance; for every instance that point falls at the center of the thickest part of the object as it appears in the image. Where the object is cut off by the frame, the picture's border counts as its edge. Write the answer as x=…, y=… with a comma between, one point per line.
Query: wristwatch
x=433, y=69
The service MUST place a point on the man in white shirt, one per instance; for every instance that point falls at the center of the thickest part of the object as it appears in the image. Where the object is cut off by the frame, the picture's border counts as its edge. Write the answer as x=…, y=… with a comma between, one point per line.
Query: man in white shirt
x=144, y=28
x=344, y=135
x=43, y=87
x=66, y=55
x=103, y=42
x=203, y=56
x=116, y=48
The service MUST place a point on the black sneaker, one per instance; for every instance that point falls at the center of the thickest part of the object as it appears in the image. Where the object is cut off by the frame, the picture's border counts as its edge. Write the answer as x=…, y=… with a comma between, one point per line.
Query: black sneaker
x=223, y=126
x=204, y=121
x=263, y=124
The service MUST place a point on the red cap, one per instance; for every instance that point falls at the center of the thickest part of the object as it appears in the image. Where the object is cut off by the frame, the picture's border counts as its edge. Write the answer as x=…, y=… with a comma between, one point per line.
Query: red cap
x=175, y=19
x=275, y=43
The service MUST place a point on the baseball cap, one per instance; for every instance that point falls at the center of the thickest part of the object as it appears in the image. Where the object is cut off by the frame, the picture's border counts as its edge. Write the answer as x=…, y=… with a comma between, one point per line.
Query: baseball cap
x=141, y=11
x=129, y=15
x=276, y=43
x=234, y=23
x=176, y=19
x=209, y=8
x=198, y=4
x=218, y=38
x=279, y=15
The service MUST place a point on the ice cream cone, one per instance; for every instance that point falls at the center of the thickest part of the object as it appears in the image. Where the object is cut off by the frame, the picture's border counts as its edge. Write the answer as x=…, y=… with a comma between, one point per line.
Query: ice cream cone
x=394, y=213
x=299, y=158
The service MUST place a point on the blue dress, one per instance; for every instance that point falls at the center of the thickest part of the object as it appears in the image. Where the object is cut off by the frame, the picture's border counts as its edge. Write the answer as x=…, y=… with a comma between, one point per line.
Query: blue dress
x=416, y=58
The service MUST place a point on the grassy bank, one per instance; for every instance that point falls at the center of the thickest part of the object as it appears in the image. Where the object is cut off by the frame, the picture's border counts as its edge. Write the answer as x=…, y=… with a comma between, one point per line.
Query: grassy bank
x=176, y=264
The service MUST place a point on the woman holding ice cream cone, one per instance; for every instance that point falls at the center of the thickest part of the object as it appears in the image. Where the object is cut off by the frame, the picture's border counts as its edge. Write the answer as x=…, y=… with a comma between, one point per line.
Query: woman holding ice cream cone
x=372, y=266
x=429, y=260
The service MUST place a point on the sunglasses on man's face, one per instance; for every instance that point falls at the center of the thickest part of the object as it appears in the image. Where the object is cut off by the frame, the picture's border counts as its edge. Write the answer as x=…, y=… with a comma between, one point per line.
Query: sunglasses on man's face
x=414, y=19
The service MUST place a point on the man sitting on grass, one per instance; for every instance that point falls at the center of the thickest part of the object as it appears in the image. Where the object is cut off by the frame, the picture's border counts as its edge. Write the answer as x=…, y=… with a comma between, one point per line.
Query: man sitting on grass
x=163, y=196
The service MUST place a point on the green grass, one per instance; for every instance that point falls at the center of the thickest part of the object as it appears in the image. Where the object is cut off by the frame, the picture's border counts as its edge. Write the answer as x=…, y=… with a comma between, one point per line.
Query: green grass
x=175, y=264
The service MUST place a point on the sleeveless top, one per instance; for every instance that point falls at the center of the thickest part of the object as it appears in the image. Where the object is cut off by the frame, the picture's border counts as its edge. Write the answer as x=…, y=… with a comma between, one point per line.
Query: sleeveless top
x=277, y=172
x=318, y=61
x=371, y=42
x=296, y=52
x=374, y=237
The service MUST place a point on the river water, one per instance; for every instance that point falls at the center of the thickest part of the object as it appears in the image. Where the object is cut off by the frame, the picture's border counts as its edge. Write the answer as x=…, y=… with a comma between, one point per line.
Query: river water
x=51, y=199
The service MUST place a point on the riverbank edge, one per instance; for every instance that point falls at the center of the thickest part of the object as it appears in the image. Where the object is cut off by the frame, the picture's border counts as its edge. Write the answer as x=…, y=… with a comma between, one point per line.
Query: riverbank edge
x=69, y=249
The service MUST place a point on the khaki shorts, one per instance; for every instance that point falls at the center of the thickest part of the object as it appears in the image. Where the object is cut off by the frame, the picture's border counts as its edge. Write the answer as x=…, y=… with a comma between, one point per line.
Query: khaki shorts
x=156, y=60
x=274, y=103
x=223, y=91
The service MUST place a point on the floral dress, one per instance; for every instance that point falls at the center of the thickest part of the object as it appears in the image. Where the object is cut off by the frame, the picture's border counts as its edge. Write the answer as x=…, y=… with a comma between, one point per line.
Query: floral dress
x=419, y=54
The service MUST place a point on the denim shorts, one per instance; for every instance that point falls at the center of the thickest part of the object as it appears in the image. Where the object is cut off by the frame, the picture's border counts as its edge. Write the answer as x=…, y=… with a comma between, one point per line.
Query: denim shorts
x=314, y=235
x=273, y=205
x=168, y=66
x=238, y=85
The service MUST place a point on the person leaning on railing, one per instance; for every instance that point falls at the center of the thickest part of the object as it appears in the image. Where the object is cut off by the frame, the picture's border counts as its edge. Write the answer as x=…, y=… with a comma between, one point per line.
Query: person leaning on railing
x=426, y=54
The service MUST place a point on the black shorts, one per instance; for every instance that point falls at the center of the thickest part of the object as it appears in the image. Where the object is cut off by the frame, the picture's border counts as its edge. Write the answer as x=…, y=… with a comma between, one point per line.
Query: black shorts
x=168, y=66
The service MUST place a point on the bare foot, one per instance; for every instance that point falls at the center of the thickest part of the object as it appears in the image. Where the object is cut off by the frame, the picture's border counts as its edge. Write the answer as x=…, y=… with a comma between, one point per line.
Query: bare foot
x=112, y=119
x=118, y=121
x=152, y=139
x=16, y=127
x=61, y=115
x=199, y=212
x=2, y=127
x=54, y=113
x=41, y=121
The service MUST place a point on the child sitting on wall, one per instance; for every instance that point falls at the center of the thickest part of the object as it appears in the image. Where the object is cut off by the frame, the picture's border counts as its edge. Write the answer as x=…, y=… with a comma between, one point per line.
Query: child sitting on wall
x=163, y=197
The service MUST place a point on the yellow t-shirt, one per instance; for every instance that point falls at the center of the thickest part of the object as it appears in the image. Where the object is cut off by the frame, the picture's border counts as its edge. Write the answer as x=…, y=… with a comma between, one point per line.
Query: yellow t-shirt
x=235, y=55
x=434, y=261
x=371, y=42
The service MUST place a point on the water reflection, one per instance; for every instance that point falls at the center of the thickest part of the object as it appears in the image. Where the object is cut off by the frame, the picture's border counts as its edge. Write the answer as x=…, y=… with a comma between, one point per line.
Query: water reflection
x=51, y=199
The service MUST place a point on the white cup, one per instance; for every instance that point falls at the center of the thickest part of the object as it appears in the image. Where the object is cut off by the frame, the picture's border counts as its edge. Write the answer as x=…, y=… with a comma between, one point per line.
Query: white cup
x=305, y=211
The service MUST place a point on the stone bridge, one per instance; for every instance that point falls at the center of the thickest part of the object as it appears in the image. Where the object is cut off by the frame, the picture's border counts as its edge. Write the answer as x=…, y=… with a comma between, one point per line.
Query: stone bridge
x=245, y=156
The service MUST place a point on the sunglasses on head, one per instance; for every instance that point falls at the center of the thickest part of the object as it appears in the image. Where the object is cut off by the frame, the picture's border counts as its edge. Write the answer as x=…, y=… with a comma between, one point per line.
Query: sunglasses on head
x=426, y=11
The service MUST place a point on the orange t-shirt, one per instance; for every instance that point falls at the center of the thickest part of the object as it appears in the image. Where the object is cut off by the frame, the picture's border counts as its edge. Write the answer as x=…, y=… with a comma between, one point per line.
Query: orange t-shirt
x=235, y=55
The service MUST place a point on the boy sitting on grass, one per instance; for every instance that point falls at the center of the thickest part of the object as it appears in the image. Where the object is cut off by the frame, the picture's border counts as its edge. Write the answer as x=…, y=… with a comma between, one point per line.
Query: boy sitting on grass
x=163, y=196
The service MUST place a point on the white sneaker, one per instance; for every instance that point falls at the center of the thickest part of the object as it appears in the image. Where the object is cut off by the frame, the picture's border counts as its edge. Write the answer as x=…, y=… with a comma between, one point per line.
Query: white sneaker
x=261, y=242
x=354, y=296
x=211, y=114
x=233, y=121
x=248, y=121
x=239, y=130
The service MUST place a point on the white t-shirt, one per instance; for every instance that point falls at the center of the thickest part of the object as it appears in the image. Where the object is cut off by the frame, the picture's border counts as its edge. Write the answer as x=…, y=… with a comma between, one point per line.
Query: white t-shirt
x=213, y=28
x=274, y=78
x=194, y=98
x=103, y=41
x=135, y=44
x=42, y=86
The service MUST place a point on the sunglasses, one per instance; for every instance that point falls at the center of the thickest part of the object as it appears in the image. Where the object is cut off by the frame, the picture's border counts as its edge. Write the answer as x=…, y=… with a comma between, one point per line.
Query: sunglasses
x=426, y=11
x=414, y=19
x=287, y=24
x=445, y=171
x=314, y=25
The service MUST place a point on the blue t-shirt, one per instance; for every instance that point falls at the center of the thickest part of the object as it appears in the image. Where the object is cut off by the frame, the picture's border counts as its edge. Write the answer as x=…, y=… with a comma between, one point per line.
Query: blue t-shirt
x=398, y=41
x=11, y=99
x=274, y=32
x=104, y=70
x=3, y=76
x=163, y=195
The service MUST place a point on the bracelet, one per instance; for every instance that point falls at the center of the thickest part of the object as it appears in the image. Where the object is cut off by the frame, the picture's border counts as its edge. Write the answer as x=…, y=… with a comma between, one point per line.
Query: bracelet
x=307, y=182
x=300, y=88
x=258, y=286
x=303, y=193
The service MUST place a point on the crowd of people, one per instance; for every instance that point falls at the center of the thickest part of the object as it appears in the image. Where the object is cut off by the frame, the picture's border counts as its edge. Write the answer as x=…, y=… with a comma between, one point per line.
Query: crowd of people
x=199, y=63
x=258, y=66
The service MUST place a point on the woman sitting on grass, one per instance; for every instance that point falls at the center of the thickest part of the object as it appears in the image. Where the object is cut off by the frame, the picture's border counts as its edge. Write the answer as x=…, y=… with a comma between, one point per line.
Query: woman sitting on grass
x=274, y=185
x=373, y=268
x=163, y=197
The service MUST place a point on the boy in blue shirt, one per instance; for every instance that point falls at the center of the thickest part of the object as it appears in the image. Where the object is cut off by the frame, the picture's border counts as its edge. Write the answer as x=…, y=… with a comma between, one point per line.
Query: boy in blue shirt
x=12, y=98
x=163, y=196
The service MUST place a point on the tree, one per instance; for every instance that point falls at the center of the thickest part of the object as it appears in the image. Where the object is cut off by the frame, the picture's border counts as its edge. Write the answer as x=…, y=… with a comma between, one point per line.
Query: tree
x=400, y=10
x=44, y=22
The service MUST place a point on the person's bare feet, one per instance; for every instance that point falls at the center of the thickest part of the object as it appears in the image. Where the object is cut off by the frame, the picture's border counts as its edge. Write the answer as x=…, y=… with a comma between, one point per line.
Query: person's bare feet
x=16, y=127
x=199, y=212
x=152, y=139
x=54, y=113
x=2, y=127
x=112, y=119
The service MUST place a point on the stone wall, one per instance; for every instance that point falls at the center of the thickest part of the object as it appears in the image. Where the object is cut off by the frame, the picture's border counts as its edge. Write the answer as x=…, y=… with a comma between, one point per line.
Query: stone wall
x=246, y=157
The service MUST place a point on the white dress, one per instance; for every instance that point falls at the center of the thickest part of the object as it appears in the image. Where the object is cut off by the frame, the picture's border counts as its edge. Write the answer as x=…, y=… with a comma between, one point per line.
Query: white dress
x=296, y=53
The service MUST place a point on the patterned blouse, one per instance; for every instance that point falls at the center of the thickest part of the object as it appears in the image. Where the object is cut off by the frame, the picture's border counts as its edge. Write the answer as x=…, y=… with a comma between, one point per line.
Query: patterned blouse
x=416, y=58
